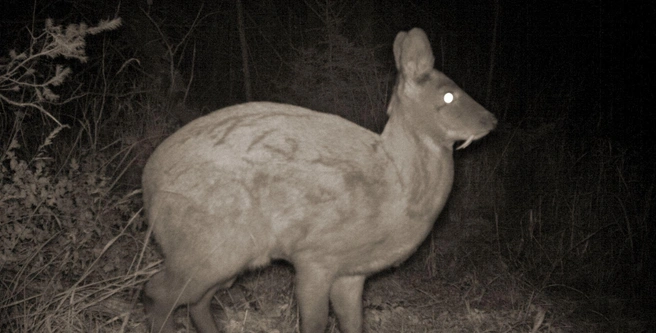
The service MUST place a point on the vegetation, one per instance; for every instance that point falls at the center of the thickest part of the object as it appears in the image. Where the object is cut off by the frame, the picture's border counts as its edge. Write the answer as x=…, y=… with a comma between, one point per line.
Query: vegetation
x=548, y=229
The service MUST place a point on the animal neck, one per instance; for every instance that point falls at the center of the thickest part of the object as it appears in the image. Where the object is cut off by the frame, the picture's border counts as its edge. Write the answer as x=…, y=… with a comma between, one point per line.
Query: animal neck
x=424, y=167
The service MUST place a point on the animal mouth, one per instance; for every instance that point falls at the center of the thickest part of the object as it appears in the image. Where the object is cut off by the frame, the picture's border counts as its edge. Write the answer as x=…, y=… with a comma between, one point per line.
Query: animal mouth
x=471, y=139
x=466, y=143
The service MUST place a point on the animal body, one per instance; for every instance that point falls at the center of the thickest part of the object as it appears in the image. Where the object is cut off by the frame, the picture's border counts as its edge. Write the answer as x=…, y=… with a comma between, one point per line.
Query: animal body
x=250, y=183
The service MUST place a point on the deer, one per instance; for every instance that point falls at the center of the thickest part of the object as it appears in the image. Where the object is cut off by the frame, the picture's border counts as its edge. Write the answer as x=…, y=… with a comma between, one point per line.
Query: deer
x=261, y=181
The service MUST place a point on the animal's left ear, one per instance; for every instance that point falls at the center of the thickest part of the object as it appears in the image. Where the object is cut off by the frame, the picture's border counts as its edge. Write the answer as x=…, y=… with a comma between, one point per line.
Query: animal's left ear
x=413, y=54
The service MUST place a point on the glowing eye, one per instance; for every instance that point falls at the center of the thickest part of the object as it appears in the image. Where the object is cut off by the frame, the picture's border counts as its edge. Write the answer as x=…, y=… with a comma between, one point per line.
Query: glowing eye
x=448, y=98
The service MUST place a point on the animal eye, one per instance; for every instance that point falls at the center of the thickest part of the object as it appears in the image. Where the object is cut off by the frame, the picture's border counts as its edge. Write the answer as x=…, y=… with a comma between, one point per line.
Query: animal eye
x=448, y=98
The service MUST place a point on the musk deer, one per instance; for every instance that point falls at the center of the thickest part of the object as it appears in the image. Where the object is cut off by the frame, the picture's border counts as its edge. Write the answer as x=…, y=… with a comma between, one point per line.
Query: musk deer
x=250, y=183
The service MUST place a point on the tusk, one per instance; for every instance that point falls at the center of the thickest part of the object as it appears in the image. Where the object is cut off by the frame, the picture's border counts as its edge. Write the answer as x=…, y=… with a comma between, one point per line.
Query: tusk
x=467, y=143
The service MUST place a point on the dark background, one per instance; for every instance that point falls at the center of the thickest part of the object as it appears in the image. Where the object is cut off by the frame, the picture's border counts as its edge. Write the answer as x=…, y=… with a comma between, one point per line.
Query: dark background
x=594, y=55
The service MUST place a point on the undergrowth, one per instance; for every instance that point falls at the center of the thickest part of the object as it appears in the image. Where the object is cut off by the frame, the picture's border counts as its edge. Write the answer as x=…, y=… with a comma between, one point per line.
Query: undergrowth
x=63, y=237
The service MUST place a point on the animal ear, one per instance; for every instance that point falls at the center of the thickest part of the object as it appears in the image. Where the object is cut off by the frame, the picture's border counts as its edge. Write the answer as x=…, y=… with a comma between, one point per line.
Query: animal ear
x=398, y=41
x=413, y=54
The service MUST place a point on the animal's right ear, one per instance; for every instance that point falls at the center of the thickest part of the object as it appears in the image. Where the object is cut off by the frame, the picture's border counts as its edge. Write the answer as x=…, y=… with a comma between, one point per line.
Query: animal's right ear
x=400, y=37
x=413, y=54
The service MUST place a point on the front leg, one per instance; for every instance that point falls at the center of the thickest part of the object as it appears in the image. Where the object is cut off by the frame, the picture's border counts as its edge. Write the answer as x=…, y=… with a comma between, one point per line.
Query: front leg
x=346, y=297
x=312, y=290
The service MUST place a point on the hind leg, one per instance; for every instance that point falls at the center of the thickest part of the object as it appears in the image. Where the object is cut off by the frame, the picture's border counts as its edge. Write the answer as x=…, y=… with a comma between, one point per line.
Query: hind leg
x=164, y=293
x=200, y=311
x=159, y=303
